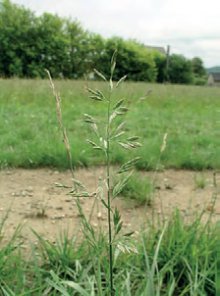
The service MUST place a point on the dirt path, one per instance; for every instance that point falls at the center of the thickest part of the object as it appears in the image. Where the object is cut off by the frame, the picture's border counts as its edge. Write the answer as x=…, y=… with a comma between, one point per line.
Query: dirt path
x=34, y=200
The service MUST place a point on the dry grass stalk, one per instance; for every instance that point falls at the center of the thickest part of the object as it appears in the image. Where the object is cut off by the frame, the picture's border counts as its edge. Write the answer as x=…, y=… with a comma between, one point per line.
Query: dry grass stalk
x=60, y=122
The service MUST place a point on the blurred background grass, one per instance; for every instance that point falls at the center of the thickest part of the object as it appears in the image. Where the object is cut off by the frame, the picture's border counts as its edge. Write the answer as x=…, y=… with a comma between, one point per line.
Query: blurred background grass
x=30, y=137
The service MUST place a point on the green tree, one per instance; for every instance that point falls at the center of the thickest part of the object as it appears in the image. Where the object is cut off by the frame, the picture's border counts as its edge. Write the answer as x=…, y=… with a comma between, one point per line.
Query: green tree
x=133, y=59
x=95, y=53
x=160, y=62
x=77, y=50
x=16, y=23
x=198, y=67
x=180, y=70
x=29, y=44
x=199, y=72
x=50, y=46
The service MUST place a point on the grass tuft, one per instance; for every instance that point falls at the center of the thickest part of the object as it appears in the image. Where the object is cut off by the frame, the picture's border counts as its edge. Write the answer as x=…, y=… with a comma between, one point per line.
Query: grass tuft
x=138, y=188
x=181, y=258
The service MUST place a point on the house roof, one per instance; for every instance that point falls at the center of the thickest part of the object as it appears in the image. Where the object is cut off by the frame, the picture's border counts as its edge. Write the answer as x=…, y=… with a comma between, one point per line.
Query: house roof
x=216, y=76
x=157, y=48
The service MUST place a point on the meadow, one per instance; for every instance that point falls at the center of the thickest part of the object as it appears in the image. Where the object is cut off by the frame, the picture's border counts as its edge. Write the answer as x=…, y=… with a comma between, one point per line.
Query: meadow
x=30, y=137
x=175, y=256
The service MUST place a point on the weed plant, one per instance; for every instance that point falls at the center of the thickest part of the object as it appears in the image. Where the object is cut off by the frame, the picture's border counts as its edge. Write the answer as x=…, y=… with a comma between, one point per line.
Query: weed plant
x=112, y=131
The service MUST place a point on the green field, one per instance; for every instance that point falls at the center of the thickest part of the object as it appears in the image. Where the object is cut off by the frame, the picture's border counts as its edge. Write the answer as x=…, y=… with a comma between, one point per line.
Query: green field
x=30, y=137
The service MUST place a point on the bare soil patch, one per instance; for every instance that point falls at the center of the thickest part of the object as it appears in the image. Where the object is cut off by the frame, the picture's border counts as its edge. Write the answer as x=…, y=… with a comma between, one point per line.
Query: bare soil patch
x=34, y=200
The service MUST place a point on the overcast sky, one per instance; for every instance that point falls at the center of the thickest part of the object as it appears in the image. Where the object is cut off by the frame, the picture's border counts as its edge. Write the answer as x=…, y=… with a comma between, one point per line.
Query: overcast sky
x=190, y=27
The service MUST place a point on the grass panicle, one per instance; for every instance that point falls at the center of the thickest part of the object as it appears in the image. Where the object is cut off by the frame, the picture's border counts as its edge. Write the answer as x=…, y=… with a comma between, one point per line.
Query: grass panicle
x=105, y=135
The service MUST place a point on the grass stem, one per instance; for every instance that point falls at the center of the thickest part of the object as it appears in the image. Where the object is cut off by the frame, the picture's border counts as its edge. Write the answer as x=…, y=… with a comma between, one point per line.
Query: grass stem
x=109, y=199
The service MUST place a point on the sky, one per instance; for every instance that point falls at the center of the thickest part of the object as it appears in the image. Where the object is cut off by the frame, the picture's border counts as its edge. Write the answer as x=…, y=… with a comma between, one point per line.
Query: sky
x=190, y=27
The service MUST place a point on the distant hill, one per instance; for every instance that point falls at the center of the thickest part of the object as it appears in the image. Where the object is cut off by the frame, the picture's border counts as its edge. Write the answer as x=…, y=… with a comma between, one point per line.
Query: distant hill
x=215, y=69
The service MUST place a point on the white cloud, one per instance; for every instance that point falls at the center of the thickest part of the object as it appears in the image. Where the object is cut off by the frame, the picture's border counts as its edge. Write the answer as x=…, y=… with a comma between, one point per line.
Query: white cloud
x=191, y=27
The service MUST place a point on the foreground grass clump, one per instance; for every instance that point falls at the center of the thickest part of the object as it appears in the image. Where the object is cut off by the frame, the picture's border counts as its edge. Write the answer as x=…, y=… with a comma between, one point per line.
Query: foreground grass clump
x=178, y=258
x=189, y=114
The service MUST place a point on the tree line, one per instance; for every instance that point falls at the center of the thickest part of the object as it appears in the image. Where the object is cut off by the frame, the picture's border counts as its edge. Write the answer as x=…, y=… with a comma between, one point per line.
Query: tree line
x=29, y=44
